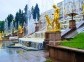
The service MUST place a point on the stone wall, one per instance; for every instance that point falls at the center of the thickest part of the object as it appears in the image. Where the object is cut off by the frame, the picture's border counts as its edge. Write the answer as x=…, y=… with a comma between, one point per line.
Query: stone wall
x=64, y=54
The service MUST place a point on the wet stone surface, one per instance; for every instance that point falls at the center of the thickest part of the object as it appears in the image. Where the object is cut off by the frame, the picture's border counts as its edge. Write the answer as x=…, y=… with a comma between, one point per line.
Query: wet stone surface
x=20, y=55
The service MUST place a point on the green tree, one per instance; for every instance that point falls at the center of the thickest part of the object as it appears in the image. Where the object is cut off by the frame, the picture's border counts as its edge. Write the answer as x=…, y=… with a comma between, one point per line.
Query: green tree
x=25, y=14
x=10, y=19
x=36, y=12
x=1, y=26
x=16, y=20
x=25, y=9
x=20, y=18
x=32, y=10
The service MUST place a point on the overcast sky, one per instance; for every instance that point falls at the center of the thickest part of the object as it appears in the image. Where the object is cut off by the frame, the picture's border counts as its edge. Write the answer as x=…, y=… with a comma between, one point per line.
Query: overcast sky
x=12, y=6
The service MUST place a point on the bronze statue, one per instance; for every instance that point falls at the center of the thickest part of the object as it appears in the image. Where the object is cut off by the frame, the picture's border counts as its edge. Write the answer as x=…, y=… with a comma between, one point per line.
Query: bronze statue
x=53, y=25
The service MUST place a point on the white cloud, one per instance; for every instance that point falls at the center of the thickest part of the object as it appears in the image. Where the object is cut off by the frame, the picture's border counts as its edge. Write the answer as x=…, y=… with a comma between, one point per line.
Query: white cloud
x=12, y=6
x=44, y=4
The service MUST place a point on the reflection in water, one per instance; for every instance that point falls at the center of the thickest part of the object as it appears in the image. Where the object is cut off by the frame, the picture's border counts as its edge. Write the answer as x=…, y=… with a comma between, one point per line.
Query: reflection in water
x=20, y=55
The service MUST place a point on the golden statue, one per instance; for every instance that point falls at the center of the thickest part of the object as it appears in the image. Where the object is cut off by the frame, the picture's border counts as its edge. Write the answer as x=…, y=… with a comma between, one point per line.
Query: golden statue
x=53, y=25
x=0, y=36
x=20, y=29
x=83, y=8
x=49, y=23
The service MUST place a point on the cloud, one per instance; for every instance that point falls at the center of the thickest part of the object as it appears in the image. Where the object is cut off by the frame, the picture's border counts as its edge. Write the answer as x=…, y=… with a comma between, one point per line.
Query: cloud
x=12, y=6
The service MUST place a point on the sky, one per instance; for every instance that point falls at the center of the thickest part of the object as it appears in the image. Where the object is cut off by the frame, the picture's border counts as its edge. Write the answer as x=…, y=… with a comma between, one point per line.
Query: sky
x=12, y=6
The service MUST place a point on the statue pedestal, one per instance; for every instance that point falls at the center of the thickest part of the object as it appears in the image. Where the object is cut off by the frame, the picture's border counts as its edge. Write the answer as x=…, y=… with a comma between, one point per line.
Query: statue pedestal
x=36, y=27
x=72, y=24
x=53, y=36
x=20, y=35
x=14, y=34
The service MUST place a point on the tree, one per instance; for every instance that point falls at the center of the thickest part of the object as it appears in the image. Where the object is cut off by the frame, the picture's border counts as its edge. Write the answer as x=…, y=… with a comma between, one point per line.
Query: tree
x=10, y=19
x=25, y=9
x=32, y=10
x=14, y=23
x=25, y=14
x=1, y=26
x=36, y=12
x=20, y=18
x=16, y=20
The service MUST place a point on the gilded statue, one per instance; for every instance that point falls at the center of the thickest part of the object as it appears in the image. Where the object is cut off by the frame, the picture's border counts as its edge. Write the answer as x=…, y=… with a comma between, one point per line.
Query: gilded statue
x=0, y=36
x=20, y=29
x=49, y=23
x=83, y=8
x=53, y=25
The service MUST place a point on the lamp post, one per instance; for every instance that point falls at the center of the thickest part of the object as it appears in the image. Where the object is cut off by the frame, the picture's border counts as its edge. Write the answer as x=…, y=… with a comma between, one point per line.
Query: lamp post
x=83, y=10
x=72, y=22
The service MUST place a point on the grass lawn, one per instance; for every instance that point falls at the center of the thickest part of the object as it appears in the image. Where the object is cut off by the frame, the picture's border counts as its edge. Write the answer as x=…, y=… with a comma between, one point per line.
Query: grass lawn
x=77, y=42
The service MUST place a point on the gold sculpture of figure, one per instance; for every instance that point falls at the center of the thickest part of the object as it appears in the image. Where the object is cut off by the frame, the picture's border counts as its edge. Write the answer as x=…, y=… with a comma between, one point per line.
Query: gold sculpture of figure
x=20, y=29
x=53, y=25
x=49, y=23
x=0, y=36
x=83, y=8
